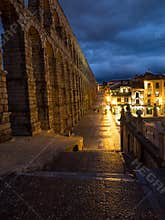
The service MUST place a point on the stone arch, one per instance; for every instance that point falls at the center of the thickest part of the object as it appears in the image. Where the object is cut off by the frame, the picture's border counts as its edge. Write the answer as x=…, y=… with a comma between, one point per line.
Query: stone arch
x=53, y=87
x=38, y=68
x=34, y=7
x=69, y=45
x=8, y=15
x=62, y=92
x=47, y=15
x=56, y=19
x=65, y=38
x=77, y=60
x=14, y=62
x=74, y=54
x=57, y=24
x=70, y=94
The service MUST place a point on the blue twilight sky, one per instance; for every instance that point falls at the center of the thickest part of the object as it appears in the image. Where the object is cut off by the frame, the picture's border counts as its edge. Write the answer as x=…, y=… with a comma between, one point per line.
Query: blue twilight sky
x=120, y=38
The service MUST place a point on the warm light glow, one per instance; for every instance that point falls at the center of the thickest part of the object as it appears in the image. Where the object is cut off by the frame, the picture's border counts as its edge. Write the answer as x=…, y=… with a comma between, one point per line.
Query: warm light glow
x=160, y=101
x=114, y=102
x=108, y=107
x=141, y=98
x=108, y=98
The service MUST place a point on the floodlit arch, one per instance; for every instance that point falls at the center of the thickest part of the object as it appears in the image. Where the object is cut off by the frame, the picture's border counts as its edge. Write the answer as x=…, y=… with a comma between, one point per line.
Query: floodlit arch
x=65, y=38
x=47, y=15
x=34, y=7
x=62, y=91
x=56, y=19
x=12, y=43
x=37, y=59
x=54, y=89
x=57, y=24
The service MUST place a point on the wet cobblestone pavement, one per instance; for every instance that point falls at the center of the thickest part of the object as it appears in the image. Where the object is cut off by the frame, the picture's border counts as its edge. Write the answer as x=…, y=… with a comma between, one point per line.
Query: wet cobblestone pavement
x=89, y=161
x=88, y=185
x=37, y=196
x=68, y=199
x=99, y=129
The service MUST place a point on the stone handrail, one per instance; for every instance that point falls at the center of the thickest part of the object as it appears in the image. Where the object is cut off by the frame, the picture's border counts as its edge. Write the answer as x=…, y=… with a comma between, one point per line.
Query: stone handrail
x=135, y=141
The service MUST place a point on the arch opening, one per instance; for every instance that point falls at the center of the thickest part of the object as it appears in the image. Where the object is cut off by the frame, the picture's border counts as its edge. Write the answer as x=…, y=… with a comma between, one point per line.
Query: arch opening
x=62, y=92
x=54, y=93
x=57, y=24
x=37, y=59
x=26, y=3
x=56, y=19
x=34, y=7
x=1, y=48
x=47, y=15
x=13, y=56
x=65, y=38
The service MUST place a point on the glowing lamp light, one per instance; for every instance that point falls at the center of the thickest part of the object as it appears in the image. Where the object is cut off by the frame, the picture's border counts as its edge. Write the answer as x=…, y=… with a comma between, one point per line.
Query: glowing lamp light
x=108, y=99
x=114, y=102
x=108, y=107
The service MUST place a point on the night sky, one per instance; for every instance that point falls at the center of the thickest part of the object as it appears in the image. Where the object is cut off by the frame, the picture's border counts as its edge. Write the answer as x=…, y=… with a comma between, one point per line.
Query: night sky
x=120, y=38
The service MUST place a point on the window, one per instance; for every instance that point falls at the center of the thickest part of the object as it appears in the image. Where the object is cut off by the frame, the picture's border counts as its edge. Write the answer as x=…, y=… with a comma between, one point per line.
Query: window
x=149, y=102
x=137, y=95
x=126, y=100
x=157, y=85
x=149, y=85
x=124, y=90
x=157, y=93
x=149, y=94
x=118, y=99
x=157, y=102
x=149, y=111
x=137, y=102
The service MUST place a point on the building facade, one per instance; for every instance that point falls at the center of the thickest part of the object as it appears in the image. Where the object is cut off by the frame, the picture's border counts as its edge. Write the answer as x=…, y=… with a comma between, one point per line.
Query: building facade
x=120, y=95
x=154, y=93
x=137, y=96
x=145, y=93
x=50, y=85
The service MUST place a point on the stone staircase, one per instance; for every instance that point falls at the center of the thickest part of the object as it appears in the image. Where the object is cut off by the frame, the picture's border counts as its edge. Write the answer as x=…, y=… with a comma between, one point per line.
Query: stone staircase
x=98, y=161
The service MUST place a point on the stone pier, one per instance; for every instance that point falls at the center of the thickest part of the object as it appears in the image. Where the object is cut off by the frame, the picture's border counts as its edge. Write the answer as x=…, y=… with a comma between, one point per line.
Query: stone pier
x=5, y=130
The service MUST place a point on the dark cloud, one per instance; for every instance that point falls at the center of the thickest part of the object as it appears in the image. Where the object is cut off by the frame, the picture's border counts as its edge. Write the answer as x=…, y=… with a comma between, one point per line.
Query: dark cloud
x=119, y=38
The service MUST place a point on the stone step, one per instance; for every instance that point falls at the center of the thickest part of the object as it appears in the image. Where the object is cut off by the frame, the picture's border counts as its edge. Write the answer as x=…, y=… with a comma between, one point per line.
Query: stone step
x=88, y=161
x=81, y=176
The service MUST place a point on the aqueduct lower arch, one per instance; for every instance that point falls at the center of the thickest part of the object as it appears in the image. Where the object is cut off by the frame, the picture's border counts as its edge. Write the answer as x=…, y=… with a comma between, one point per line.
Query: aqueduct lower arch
x=46, y=87
x=38, y=68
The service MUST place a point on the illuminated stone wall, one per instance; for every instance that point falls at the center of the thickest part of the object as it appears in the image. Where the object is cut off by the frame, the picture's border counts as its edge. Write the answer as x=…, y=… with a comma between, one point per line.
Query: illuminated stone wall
x=5, y=130
x=50, y=84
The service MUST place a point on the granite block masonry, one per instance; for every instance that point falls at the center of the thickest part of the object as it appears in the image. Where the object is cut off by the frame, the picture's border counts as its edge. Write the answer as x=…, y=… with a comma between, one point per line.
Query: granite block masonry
x=5, y=130
x=50, y=85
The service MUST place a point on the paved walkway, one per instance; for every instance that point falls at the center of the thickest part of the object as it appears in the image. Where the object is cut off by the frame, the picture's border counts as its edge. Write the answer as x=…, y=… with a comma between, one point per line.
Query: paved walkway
x=87, y=185
x=30, y=153
x=99, y=129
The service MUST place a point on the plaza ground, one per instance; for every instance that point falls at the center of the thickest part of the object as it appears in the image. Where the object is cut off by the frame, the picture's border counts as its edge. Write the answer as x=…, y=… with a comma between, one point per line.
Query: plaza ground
x=92, y=184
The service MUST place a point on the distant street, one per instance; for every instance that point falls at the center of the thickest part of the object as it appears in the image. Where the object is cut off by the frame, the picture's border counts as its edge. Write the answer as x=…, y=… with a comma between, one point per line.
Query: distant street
x=99, y=130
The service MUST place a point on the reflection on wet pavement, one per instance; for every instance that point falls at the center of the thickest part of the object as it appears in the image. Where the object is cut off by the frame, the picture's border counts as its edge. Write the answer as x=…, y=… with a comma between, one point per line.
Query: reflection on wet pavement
x=99, y=130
